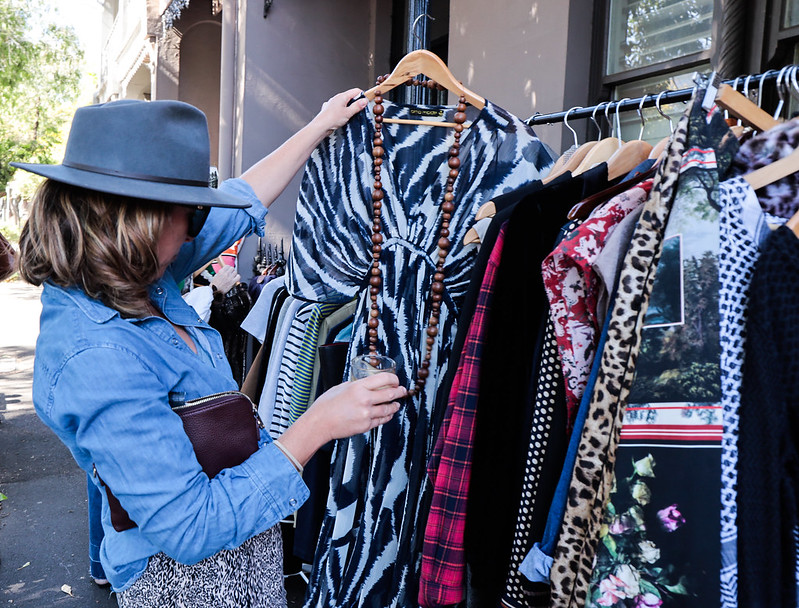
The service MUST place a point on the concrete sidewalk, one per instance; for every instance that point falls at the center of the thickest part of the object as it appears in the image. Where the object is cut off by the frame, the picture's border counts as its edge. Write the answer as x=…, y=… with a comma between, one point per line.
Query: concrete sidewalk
x=43, y=522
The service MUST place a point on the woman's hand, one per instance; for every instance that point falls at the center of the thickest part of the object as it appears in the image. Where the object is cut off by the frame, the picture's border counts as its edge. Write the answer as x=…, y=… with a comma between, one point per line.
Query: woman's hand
x=344, y=410
x=336, y=112
x=270, y=175
x=225, y=278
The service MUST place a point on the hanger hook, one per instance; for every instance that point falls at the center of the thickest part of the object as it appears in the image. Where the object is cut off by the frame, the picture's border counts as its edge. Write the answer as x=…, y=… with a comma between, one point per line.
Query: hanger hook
x=415, y=23
x=780, y=92
x=641, y=116
x=794, y=88
x=609, y=121
x=760, y=88
x=746, y=86
x=618, y=119
x=568, y=126
x=593, y=118
x=660, y=111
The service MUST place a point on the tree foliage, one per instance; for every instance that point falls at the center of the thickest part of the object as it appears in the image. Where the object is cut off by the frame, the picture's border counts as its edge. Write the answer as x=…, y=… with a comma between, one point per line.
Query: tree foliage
x=40, y=71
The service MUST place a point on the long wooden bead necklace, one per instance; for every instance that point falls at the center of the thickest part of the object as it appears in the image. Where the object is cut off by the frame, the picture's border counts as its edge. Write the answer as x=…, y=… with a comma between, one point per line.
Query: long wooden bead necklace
x=447, y=208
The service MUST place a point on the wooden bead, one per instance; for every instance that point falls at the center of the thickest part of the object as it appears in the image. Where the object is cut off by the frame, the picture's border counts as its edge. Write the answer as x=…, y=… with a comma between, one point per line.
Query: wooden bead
x=378, y=151
x=453, y=151
x=377, y=239
x=378, y=110
x=426, y=363
x=373, y=333
x=377, y=195
x=448, y=207
x=374, y=290
x=453, y=173
x=439, y=276
x=430, y=341
x=375, y=281
x=436, y=297
x=375, y=312
x=443, y=231
x=423, y=373
x=373, y=322
x=377, y=162
x=378, y=119
x=459, y=118
x=375, y=272
x=377, y=141
x=437, y=287
x=432, y=332
x=454, y=162
x=377, y=205
x=433, y=321
x=461, y=107
x=458, y=128
x=377, y=186
x=443, y=243
x=448, y=197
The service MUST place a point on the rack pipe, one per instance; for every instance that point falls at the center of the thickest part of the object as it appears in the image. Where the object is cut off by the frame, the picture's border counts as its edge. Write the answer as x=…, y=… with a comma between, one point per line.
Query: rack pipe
x=645, y=101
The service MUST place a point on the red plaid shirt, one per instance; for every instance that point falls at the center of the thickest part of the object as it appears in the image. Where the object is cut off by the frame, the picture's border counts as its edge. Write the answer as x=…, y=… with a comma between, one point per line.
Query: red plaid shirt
x=443, y=553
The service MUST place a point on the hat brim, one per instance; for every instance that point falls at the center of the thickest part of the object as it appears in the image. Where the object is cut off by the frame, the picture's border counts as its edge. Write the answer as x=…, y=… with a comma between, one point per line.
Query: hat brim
x=137, y=188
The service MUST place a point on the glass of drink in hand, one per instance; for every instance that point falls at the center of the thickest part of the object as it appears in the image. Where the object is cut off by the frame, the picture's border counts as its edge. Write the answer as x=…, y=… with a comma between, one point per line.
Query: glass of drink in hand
x=364, y=366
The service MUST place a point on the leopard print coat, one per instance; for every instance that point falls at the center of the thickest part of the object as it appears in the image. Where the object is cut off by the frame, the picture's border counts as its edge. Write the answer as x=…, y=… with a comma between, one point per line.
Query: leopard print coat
x=594, y=467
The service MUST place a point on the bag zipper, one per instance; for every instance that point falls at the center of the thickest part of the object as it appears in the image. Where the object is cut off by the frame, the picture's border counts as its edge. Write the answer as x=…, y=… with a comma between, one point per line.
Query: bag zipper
x=201, y=400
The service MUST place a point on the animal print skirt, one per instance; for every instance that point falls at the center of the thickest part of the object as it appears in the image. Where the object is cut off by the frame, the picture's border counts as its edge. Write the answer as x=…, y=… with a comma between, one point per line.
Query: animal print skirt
x=249, y=576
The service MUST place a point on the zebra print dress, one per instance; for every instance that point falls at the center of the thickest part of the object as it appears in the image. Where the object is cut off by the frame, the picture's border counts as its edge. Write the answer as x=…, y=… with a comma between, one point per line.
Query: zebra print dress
x=370, y=543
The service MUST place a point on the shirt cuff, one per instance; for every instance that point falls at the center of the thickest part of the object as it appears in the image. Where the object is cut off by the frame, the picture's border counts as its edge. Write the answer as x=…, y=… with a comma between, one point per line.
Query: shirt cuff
x=537, y=565
x=277, y=479
x=240, y=188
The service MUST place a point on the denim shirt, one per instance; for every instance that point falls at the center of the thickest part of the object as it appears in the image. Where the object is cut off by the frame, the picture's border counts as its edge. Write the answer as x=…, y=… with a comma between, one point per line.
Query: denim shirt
x=101, y=383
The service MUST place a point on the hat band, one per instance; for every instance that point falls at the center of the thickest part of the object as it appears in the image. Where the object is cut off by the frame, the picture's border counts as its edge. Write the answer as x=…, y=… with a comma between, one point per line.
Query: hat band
x=140, y=176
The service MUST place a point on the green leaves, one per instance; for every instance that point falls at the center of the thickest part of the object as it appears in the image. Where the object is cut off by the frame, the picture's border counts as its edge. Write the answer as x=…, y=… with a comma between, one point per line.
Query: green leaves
x=39, y=82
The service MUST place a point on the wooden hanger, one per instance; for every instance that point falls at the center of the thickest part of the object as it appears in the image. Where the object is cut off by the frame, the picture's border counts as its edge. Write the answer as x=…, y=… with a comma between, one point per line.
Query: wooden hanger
x=628, y=157
x=632, y=153
x=562, y=165
x=601, y=152
x=488, y=209
x=745, y=109
x=429, y=64
x=774, y=172
x=793, y=223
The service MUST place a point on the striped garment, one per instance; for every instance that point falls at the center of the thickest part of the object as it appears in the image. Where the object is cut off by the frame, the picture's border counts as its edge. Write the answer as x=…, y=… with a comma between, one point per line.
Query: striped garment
x=292, y=346
x=366, y=552
x=304, y=372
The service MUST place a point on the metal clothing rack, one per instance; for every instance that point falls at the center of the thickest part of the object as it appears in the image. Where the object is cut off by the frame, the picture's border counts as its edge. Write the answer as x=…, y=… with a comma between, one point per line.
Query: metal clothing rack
x=651, y=100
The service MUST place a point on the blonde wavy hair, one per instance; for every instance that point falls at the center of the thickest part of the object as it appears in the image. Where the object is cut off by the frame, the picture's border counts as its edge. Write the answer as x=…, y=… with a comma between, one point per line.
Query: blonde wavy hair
x=102, y=243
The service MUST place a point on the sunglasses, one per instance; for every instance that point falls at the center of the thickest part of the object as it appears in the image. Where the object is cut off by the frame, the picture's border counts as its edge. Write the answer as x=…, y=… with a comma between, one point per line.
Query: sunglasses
x=197, y=220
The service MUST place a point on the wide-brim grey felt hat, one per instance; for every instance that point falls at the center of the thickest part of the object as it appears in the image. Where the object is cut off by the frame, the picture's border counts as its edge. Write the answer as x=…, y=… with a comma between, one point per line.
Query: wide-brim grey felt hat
x=155, y=150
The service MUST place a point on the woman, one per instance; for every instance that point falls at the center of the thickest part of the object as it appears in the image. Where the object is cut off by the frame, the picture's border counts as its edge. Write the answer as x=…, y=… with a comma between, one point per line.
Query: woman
x=112, y=230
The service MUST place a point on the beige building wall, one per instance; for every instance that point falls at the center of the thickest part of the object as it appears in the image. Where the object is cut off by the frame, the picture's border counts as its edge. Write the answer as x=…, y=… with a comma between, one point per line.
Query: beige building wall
x=515, y=54
x=296, y=58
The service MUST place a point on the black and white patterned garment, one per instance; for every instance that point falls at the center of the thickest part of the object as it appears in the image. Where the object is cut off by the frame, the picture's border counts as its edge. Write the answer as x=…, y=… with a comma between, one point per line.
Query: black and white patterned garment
x=249, y=576
x=365, y=553
x=743, y=228
x=519, y=592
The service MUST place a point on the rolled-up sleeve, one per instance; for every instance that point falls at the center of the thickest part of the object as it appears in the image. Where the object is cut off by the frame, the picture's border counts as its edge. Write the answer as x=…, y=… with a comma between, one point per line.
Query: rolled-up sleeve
x=123, y=424
x=222, y=228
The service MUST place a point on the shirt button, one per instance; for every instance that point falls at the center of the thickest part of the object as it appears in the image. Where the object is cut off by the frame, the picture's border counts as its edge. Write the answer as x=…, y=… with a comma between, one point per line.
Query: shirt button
x=293, y=502
x=159, y=290
x=175, y=341
x=218, y=355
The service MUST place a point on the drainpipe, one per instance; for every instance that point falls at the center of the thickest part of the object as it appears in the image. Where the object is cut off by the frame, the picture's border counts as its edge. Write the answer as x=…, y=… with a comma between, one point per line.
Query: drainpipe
x=227, y=91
